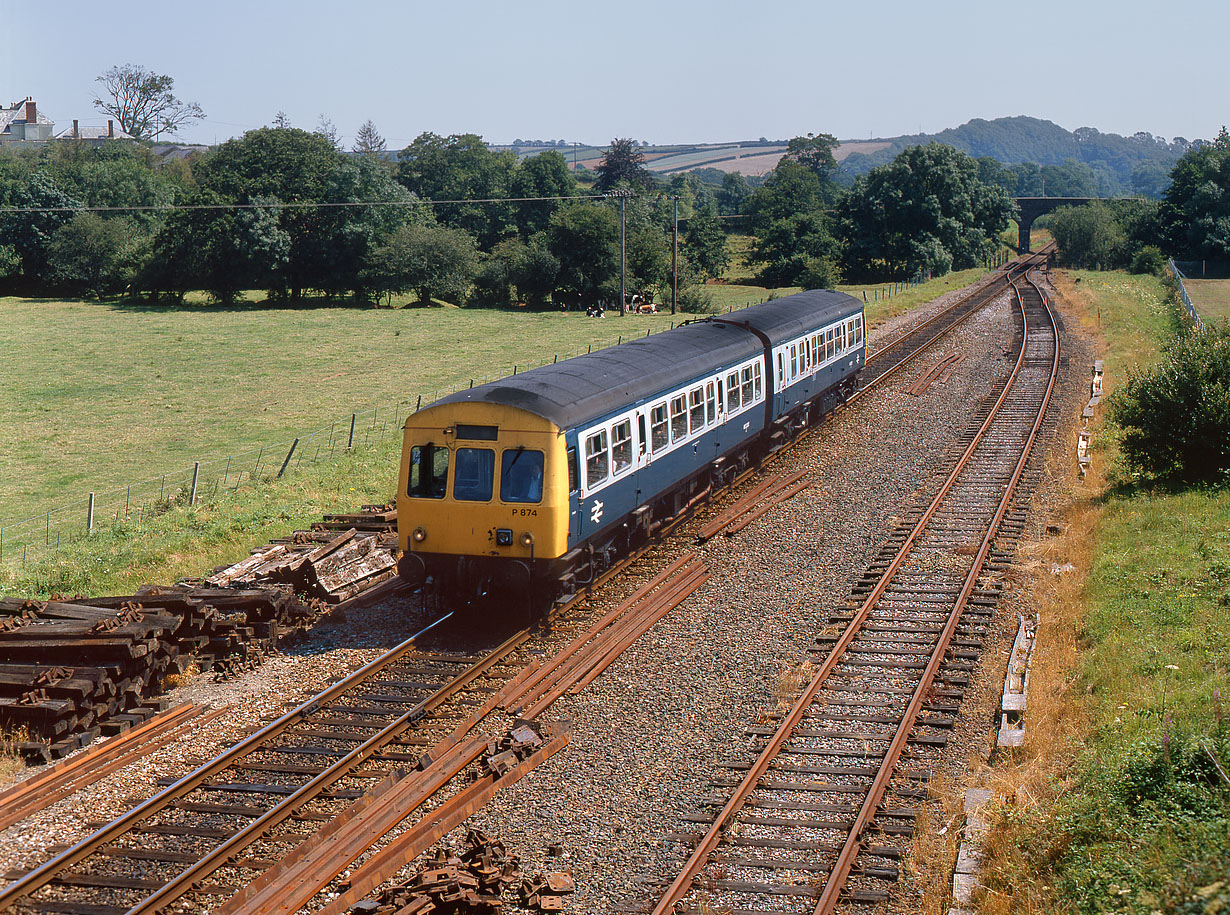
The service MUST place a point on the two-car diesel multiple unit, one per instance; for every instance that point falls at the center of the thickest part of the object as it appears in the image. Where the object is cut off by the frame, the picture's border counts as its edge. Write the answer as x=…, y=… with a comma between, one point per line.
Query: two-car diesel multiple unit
x=537, y=482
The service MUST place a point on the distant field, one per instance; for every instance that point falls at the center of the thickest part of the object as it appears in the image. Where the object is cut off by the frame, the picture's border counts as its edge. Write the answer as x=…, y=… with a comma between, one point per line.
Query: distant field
x=1211, y=298
x=106, y=395
x=745, y=159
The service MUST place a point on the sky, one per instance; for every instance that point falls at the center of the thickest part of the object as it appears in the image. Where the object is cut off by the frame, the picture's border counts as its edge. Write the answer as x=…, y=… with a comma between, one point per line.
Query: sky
x=665, y=72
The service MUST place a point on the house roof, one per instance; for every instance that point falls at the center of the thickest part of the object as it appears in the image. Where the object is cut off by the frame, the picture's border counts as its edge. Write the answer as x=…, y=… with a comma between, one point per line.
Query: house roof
x=16, y=114
x=94, y=133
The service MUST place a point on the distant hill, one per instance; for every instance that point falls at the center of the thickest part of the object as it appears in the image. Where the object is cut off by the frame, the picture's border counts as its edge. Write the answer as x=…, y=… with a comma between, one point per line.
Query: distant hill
x=1115, y=164
x=1124, y=164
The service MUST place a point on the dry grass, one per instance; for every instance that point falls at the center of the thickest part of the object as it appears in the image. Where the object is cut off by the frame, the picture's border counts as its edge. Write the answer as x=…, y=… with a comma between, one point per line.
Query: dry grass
x=183, y=678
x=1056, y=718
x=11, y=763
x=937, y=836
x=790, y=682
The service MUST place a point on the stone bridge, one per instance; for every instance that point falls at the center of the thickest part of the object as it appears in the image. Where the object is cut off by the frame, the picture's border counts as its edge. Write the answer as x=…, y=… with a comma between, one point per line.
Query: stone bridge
x=1032, y=207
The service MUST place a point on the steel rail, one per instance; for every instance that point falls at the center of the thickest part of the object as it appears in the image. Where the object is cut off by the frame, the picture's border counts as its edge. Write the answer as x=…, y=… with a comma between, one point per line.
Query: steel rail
x=875, y=795
x=680, y=886
x=283, y=810
x=46, y=872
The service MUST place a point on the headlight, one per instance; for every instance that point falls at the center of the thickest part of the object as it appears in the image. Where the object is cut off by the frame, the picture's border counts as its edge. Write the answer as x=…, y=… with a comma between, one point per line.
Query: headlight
x=527, y=539
x=419, y=534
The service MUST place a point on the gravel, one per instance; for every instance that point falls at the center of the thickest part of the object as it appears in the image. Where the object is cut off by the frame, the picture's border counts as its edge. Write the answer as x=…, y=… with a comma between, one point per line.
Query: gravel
x=655, y=728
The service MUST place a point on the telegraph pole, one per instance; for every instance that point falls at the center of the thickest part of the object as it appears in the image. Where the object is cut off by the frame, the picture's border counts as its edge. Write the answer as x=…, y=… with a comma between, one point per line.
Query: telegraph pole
x=675, y=261
x=623, y=199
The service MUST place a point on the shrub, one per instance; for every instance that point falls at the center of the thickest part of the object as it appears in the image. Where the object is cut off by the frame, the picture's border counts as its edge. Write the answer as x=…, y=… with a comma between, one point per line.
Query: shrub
x=1148, y=259
x=697, y=300
x=1175, y=417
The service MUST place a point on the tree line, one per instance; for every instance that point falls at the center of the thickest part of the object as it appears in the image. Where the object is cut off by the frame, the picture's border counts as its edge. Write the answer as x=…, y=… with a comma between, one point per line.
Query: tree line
x=1190, y=221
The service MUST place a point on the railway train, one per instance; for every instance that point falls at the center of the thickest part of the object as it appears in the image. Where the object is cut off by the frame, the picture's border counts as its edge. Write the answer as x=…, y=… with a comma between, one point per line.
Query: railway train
x=537, y=483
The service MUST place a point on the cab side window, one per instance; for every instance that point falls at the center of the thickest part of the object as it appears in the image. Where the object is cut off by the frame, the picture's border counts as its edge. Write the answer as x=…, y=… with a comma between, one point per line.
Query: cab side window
x=428, y=472
x=521, y=473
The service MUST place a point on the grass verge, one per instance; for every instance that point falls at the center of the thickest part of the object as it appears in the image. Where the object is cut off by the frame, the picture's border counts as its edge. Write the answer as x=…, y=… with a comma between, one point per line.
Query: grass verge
x=1117, y=803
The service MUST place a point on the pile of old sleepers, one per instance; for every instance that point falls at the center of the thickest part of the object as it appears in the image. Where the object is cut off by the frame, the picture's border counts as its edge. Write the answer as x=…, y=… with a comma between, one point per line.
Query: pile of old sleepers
x=72, y=669
x=340, y=557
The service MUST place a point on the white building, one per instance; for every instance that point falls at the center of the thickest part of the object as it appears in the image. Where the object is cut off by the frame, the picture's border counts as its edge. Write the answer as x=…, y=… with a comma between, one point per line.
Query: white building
x=22, y=123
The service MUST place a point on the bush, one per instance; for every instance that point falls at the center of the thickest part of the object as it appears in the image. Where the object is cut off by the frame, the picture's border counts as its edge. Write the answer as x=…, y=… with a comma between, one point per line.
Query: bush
x=1175, y=416
x=697, y=300
x=1148, y=259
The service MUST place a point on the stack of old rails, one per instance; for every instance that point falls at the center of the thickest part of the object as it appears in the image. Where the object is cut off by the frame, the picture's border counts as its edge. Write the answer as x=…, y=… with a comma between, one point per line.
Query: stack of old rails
x=322, y=563
x=69, y=670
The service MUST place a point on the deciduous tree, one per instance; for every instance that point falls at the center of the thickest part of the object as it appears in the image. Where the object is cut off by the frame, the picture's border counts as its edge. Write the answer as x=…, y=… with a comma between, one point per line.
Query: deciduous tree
x=622, y=163
x=433, y=261
x=143, y=102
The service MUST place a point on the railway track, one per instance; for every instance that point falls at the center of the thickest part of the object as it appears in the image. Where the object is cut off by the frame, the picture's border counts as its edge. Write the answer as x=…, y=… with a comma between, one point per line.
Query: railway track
x=228, y=823
x=819, y=820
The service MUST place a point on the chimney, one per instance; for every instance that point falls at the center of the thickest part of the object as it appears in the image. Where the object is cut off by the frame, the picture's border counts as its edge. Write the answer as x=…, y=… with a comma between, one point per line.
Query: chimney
x=31, y=111
x=76, y=130
x=111, y=128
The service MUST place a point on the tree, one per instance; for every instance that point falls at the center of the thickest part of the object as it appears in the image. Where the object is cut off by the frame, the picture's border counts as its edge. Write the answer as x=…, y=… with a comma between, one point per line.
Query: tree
x=281, y=120
x=622, y=163
x=814, y=153
x=585, y=239
x=925, y=211
x=790, y=224
x=327, y=129
x=706, y=240
x=430, y=260
x=733, y=194
x=461, y=167
x=544, y=175
x=143, y=102
x=1090, y=236
x=1195, y=213
x=92, y=254
x=368, y=140
x=40, y=207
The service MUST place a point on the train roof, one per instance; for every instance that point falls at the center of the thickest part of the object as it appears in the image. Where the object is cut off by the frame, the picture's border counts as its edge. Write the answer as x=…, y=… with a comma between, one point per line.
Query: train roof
x=578, y=390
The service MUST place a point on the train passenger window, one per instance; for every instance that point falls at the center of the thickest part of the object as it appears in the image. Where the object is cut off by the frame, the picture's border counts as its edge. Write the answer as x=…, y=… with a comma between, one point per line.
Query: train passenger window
x=747, y=385
x=732, y=392
x=696, y=415
x=757, y=377
x=679, y=418
x=597, y=461
x=710, y=404
x=572, y=470
x=475, y=475
x=621, y=446
x=828, y=344
x=428, y=472
x=521, y=475
x=815, y=359
x=794, y=361
x=659, y=428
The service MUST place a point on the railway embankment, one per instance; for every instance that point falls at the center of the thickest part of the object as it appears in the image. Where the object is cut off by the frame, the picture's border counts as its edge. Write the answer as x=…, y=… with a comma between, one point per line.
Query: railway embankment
x=1119, y=799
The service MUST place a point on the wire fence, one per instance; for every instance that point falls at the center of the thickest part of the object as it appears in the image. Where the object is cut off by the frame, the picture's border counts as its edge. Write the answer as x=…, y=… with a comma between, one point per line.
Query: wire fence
x=133, y=505
x=1187, y=300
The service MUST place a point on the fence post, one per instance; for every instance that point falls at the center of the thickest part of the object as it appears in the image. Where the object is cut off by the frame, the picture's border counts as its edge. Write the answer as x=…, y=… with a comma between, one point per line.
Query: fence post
x=350, y=444
x=287, y=461
x=196, y=475
x=89, y=515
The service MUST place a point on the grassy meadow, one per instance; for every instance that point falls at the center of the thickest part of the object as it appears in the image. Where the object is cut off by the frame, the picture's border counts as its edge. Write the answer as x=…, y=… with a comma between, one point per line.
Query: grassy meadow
x=1211, y=298
x=1120, y=800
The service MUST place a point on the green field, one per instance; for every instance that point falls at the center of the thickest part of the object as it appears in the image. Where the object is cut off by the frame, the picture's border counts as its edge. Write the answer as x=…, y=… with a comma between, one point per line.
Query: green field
x=104, y=395
x=1211, y=298
x=1117, y=804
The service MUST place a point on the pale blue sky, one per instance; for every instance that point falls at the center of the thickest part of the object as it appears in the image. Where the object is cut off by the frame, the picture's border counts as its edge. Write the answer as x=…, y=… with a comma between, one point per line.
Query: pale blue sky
x=663, y=72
